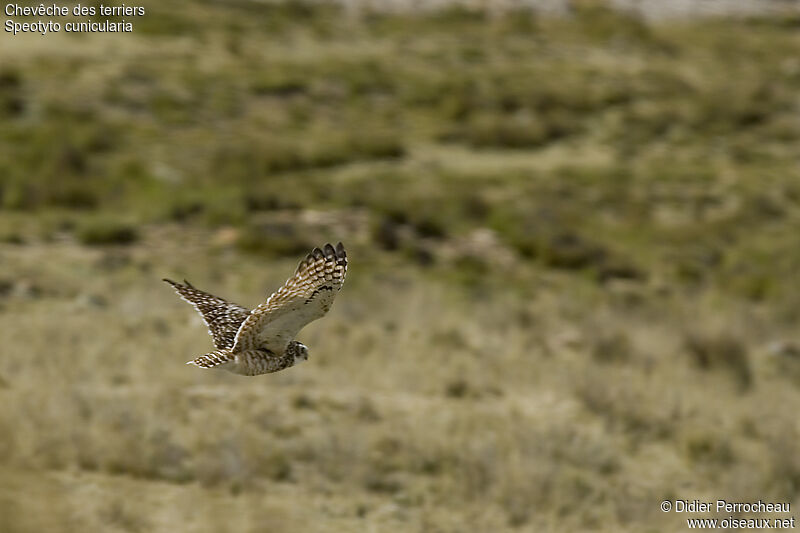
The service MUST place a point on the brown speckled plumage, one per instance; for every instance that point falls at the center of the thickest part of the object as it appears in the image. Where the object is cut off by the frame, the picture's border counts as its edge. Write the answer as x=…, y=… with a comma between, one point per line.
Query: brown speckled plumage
x=261, y=341
x=222, y=317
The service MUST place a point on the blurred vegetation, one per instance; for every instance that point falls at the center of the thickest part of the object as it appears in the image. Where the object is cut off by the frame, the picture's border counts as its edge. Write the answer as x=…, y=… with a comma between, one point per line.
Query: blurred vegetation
x=597, y=143
x=574, y=247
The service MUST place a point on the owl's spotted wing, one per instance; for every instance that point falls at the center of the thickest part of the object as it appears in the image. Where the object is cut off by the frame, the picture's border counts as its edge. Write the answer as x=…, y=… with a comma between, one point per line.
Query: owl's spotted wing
x=304, y=297
x=222, y=317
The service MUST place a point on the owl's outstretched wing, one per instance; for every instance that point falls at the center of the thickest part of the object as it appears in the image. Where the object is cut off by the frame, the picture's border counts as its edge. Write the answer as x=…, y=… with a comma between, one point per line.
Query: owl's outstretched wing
x=304, y=297
x=222, y=317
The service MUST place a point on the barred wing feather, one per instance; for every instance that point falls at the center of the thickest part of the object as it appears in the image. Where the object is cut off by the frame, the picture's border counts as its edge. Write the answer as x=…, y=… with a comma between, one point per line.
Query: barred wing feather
x=222, y=317
x=305, y=297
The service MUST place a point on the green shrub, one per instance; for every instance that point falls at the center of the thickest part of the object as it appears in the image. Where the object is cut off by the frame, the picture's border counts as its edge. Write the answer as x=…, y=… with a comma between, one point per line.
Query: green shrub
x=12, y=102
x=721, y=351
x=103, y=231
x=514, y=131
x=275, y=239
x=612, y=347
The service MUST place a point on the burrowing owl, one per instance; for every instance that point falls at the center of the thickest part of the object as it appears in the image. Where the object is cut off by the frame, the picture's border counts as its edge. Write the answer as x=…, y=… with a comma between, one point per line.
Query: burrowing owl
x=262, y=340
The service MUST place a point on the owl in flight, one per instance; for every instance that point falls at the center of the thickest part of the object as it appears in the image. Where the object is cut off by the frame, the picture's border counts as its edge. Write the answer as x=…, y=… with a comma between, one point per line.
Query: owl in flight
x=262, y=340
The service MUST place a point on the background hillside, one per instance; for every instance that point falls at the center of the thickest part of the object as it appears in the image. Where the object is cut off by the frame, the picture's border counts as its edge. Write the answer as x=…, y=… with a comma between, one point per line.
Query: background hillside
x=572, y=294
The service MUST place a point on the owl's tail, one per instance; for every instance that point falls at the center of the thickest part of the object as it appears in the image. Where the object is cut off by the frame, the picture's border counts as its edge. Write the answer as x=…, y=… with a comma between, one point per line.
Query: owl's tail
x=215, y=359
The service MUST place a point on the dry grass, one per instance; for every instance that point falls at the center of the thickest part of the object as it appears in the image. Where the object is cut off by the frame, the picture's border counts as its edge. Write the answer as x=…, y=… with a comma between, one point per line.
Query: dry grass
x=421, y=407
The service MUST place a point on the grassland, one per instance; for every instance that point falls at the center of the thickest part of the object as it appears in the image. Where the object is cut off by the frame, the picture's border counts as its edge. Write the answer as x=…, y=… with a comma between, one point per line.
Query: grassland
x=572, y=292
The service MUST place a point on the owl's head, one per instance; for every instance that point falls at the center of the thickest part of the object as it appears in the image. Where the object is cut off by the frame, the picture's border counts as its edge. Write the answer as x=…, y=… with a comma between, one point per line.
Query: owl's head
x=299, y=352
